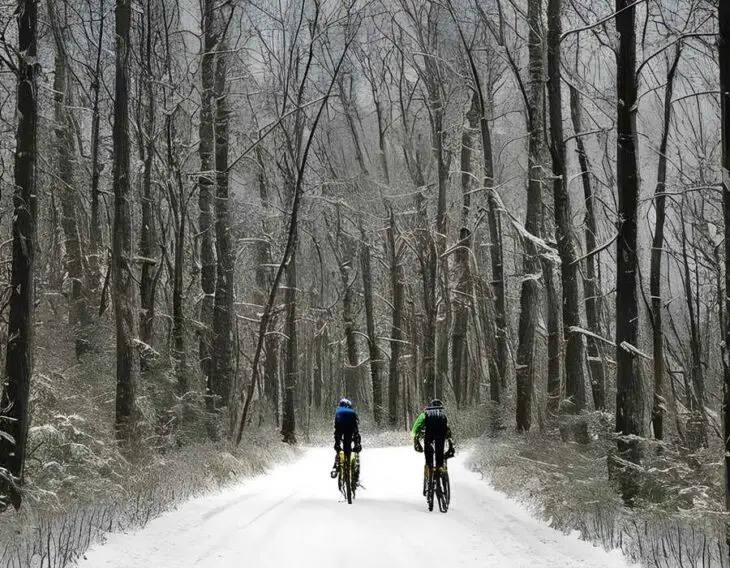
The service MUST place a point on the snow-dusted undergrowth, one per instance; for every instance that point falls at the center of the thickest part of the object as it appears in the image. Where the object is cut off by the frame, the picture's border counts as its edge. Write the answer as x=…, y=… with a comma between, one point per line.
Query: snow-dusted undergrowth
x=53, y=535
x=678, y=522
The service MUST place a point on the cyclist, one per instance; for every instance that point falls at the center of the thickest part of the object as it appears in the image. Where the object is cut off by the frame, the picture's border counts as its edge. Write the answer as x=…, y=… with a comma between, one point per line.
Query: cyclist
x=432, y=425
x=347, y=433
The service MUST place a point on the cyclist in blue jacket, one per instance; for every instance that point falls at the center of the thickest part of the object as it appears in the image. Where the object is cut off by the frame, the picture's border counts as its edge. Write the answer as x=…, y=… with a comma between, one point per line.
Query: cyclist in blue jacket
x=347, y=432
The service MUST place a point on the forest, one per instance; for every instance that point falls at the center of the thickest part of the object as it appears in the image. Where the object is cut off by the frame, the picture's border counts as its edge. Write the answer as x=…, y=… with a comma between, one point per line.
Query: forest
x=221, y=216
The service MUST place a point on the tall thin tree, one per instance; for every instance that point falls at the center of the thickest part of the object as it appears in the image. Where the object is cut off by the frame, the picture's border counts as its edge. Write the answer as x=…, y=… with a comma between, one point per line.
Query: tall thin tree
x=629, y=385
x=724, y=49
x=574, y=349
x=529, y=295
x=14, y=417
x=125, y=298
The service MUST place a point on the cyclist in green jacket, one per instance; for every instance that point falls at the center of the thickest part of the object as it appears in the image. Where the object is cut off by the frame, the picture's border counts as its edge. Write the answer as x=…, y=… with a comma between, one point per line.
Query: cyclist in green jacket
x=432, y=425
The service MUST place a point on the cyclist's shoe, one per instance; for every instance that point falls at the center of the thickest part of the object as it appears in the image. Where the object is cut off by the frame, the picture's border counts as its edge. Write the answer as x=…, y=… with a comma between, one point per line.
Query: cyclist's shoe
x=333, y=473
x=443, y=469
x=335, y=467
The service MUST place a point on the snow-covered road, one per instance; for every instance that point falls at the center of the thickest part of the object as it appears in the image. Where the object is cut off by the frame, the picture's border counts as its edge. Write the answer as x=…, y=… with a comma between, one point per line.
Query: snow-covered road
x=295, y=517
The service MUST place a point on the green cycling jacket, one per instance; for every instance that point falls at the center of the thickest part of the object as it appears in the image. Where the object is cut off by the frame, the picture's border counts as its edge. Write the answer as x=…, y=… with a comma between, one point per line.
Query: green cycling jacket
x=418, y=426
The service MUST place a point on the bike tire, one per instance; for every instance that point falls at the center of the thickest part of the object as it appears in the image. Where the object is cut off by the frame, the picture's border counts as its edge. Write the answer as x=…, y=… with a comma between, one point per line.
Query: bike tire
x=444, y=492
x=430, y=491
x=348, y=482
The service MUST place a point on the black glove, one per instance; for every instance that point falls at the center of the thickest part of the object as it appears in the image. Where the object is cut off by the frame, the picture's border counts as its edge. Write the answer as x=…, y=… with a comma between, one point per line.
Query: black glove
x=357, y=449
x=417, y=445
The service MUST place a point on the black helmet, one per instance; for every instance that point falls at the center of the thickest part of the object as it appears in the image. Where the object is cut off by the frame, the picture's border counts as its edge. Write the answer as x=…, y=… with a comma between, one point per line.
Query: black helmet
x=436, y=403
x=345, y=402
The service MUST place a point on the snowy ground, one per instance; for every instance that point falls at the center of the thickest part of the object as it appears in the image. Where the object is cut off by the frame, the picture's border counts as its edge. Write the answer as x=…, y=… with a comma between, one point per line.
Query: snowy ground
x=295, y=517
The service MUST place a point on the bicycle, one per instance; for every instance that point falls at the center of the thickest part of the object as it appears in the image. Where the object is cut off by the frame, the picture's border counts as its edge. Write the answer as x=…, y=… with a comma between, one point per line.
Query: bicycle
x=438, y=485
x=348, y=474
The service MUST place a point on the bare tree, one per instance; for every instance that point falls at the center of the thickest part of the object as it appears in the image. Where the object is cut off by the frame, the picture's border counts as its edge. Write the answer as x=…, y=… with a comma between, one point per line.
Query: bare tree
x=125, y=299
x=724, y=52
x=529, y=295
x=206, y=183
x=221, y=378
x=14, y=411
x=574, y=350
x=629, y=385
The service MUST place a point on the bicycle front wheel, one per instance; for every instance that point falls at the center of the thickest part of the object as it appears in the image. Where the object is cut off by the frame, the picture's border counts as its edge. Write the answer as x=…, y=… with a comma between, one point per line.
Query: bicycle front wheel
x=430, y=490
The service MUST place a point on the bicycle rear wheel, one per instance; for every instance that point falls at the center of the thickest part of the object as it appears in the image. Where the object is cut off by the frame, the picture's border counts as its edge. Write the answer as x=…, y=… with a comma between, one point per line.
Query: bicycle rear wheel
x=348, y=482
x=443, y=492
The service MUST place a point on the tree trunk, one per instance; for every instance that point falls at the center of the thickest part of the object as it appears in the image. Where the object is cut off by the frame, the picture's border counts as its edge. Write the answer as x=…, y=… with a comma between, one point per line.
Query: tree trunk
x=657, y=253
x=78, y=314
x=574, y=351
x=376, y=359
x=14, y=416
x=396, y=331
x=291, y=373
x=263, y=283
x=223, y=312
x=592, y=280
x=206, y=181
x=724, y=49
x=147, y=281
x=94, y=278
x=529, y=295
x=554, y=375
x=462, y=260
x=629, y=385
x=125, y=300
x=352, y=371
x=178, y=201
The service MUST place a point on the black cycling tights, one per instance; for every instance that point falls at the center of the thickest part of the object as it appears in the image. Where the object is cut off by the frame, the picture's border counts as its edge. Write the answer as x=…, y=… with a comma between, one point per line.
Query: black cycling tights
x=435, y=446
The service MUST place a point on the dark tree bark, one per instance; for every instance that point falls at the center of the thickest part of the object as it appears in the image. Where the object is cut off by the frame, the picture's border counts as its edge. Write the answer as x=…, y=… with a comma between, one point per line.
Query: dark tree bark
x=178, y=203
x=592, y=279
x=125, y=299
x=724, y=49
x=554, y=375
x=148, y=232
x=223, y=313
x=263, y=283
x=376, y=359
x=529, y=295
x=629, y=385
x=396, y=331
x=462, y=260
x=291, y=372
x=657, y=253
x=78, y=315
x=94, y=277
x=574, y=350
x=206, y=184
x=14, y=416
